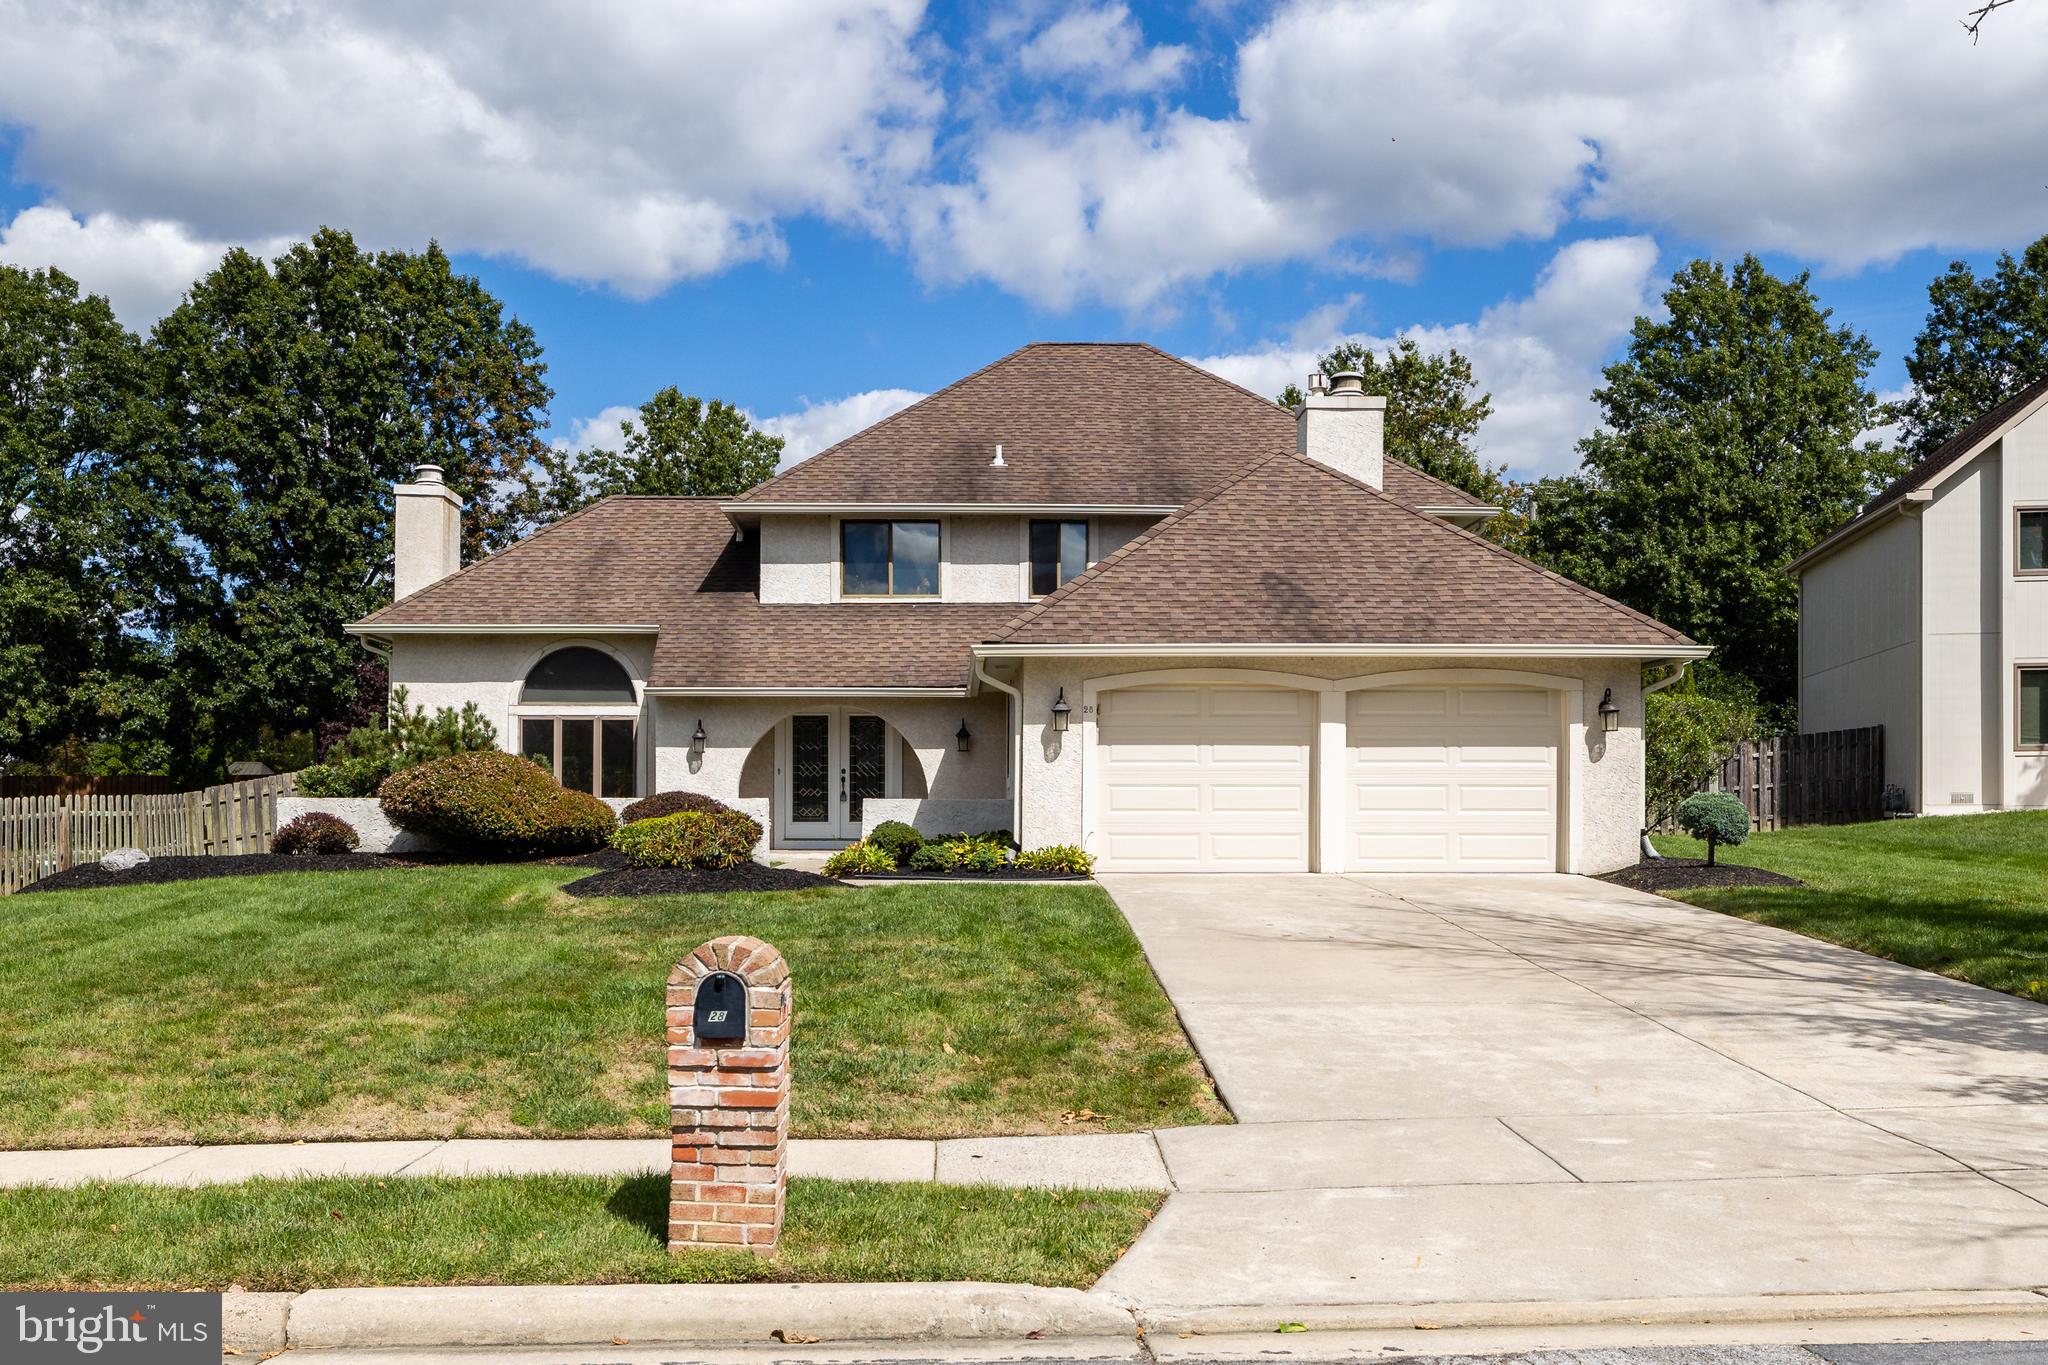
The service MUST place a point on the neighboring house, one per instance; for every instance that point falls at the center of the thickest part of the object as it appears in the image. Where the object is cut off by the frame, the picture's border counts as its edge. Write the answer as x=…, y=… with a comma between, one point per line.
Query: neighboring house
x=1927, y=613
x=1089, y=593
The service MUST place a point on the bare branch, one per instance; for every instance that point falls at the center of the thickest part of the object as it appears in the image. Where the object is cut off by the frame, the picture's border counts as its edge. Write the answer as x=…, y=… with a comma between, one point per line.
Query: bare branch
x=1974, y=24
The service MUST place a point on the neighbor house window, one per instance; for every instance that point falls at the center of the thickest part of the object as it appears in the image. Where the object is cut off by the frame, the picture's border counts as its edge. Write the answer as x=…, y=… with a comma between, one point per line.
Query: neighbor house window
x=2033, y=540
x=588, y=746
x=2033, y=707
x=889, y=558
x=1059, y=551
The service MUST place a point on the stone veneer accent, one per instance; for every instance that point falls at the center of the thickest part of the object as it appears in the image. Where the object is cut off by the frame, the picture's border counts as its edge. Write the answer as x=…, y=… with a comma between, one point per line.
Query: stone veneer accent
x=729, y=1104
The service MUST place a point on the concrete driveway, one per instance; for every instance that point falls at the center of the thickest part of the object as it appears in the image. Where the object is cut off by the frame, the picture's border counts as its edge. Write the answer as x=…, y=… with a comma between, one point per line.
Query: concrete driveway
x=1461, y=1089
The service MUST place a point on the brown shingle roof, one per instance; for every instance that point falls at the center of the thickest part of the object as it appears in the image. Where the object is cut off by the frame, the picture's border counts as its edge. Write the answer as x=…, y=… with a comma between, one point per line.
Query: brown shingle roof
x=672, y=563
x=1097, y=423
x=1290, y=552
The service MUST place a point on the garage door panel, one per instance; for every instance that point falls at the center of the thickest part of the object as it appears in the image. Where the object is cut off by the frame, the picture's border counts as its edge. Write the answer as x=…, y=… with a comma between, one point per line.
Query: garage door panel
x=1226, y=767
x=1456, y=778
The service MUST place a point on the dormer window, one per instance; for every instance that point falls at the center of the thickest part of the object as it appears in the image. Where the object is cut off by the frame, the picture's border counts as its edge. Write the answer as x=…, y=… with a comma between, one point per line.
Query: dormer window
x=889, y=559
x=1059, y=551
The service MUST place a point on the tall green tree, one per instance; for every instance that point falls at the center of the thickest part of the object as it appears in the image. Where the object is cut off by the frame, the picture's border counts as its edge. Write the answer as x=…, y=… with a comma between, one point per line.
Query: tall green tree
x=287, y=399
x=1434, y=409
x=1731, y=440
x=681, y=446
x=1985, y=338
x=74, y=684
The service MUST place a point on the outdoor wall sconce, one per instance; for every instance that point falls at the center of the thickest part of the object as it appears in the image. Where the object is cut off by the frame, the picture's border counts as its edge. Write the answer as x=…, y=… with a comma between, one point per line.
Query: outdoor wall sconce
x=962, y=738
x=697, y=739
x=1610, y=714
x=1060, y=712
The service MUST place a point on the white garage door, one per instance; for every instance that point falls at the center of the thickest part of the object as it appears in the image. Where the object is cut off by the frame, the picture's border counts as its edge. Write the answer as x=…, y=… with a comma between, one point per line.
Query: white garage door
x=1203, y=779
x=1452, y=779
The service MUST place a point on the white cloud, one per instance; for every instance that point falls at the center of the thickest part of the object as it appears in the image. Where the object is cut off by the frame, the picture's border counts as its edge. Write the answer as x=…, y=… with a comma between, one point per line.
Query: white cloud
x=143, y=268
x=1539, y=355
x=1102, y=50
x=817, y=425
x=606, y=431
x=654, y=143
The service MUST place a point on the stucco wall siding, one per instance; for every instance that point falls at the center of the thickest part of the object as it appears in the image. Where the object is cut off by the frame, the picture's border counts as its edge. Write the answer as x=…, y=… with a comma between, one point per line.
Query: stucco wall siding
x=1603, y=773
x=983, y=558
x=1860, y=647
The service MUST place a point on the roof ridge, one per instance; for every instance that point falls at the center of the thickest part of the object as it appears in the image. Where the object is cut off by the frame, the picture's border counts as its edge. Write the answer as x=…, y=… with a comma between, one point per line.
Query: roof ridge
x=557, y=523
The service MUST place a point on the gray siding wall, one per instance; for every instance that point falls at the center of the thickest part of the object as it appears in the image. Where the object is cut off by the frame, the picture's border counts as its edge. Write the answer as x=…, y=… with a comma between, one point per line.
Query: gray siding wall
x=1859, y=644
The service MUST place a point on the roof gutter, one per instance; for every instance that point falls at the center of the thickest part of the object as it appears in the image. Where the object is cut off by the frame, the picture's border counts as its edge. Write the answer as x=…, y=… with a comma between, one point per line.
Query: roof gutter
x=981, y=674
x=1665, y=652
x=876, y=692
x=741, y=507
x=372, y=628
x=1908, y=504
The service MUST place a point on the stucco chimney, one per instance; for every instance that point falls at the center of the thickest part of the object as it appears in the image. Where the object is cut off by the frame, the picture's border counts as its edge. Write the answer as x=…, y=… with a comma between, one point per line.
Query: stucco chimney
x=1341, y=425
x=426, y=541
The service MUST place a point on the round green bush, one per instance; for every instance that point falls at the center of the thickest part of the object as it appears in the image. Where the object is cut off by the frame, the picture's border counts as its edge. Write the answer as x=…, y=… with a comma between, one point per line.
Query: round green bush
x=315, y=834
x=497, y=802
x=935, y=858
x=672, y=803
x=689, y=839
x=861, y=859
x=896, y=839
x=1718, y=817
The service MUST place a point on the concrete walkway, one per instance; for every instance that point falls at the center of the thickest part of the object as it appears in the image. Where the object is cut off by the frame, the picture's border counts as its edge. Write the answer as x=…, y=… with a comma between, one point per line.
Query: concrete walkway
x=1094, y=1160
x=1456, y=1090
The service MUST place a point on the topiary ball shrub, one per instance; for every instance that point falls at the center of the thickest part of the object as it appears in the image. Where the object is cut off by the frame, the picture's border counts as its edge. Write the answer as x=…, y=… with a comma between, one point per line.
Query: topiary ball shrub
x=935, y=858
x=672, y=803
x=314, y=834
x=689, y=839
x=1057, y=858
x=896, y=839
x=1718, y=817
x=495, y=802
x=861, y=859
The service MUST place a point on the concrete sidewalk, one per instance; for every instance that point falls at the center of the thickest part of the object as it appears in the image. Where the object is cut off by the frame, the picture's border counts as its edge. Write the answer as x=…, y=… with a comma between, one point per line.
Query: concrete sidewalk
x=1091, y=1160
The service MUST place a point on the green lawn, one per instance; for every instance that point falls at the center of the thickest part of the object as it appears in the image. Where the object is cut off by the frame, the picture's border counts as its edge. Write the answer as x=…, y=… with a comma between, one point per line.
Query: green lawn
x=482, y=1001
x=301, y=1234
x=1966, y=896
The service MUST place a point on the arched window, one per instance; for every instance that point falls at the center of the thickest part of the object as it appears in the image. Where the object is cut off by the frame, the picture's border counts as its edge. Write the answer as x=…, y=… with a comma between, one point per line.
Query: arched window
x=577, y=674
x=592, y=744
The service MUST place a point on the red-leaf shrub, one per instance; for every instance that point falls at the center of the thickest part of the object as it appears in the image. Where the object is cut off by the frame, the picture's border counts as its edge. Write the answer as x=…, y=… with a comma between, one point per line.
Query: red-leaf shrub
x=315, y=833
x=495, y=801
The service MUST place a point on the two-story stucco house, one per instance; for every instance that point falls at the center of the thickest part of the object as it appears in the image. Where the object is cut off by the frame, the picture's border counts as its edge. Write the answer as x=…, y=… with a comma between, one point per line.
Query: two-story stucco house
x=1927, y=613
x=1091, y=594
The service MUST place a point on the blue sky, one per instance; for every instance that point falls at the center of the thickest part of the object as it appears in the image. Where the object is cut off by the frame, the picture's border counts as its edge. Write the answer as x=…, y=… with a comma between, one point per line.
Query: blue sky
x=818, y=210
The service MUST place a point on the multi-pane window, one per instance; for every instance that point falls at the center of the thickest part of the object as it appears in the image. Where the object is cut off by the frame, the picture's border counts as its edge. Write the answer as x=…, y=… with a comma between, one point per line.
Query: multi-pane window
x=889, y=558
x=2033, y=708
x=1059, y=551
x=593, y=754
x=2033, y=540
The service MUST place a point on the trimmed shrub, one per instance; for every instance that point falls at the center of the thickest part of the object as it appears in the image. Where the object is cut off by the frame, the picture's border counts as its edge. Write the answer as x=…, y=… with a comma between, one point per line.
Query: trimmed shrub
x=1718, y=817
x=315, y=833
x=1057, y=858
x=495, y=801
x=672, y=803
x=358, y=765
x=935, y=857
x=896, y=839
x=859, y=860
x=689, y=839
x=982, y=858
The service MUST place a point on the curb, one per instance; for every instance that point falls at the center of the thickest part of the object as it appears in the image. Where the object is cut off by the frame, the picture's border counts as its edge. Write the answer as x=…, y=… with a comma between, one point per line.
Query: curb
x=1764, y=1308
x=600, y=1314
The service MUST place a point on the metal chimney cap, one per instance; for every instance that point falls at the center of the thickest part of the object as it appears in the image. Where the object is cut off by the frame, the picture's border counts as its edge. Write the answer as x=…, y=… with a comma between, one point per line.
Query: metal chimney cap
x=426, y=473
x=1347, y=381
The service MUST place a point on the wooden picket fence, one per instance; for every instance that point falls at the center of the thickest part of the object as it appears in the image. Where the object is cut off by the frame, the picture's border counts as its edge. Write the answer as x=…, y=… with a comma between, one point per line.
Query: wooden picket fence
x=1832, y=777
x=41, y=835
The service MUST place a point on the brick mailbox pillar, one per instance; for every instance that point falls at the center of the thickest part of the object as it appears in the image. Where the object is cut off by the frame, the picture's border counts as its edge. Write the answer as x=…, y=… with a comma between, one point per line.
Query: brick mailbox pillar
x=728, y=1095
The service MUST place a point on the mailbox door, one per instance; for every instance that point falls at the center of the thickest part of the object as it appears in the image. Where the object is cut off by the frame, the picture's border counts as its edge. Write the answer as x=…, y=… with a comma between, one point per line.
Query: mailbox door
x=721, y=1013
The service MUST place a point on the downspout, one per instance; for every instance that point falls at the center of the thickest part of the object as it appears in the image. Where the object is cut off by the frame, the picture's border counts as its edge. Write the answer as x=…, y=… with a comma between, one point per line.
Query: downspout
x=981, y=674
x=1649, y=851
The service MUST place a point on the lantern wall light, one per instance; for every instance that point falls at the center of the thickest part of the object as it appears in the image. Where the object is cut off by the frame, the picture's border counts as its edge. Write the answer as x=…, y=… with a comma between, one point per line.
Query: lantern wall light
x=1060, y=712
x=1610, y=714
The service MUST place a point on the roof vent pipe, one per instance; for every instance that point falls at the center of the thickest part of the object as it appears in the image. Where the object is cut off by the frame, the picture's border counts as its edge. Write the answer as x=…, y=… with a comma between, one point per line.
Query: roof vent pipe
x=997, y=462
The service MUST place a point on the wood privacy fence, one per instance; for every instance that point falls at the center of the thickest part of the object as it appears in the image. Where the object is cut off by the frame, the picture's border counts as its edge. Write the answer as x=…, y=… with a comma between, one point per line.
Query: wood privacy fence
x=40, y=835
x=1830, y=778
x=77, y=785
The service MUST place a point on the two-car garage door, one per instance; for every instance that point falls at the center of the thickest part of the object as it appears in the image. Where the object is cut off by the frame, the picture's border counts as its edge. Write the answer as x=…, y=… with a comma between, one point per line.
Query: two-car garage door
x=1454, y=778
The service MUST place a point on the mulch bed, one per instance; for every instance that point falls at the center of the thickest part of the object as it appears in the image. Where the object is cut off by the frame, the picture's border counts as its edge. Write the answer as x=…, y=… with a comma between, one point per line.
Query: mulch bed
x=90, y=876
x=1687, y=874
x=963, y=875
x=691, y=881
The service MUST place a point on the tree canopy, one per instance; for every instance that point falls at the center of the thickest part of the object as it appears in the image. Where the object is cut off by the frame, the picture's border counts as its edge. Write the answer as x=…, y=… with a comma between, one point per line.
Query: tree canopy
x=681, y=447
x=1731, y=439
x=1985, y=338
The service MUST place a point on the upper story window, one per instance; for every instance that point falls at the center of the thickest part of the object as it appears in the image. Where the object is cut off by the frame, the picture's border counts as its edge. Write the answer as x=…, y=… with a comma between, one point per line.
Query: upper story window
x=2033, y=540
x=1059, y=551
x=889, y=558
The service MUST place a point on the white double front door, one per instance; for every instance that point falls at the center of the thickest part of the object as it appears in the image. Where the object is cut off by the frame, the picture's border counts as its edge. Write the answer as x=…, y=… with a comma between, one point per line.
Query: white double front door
x=831, y=760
